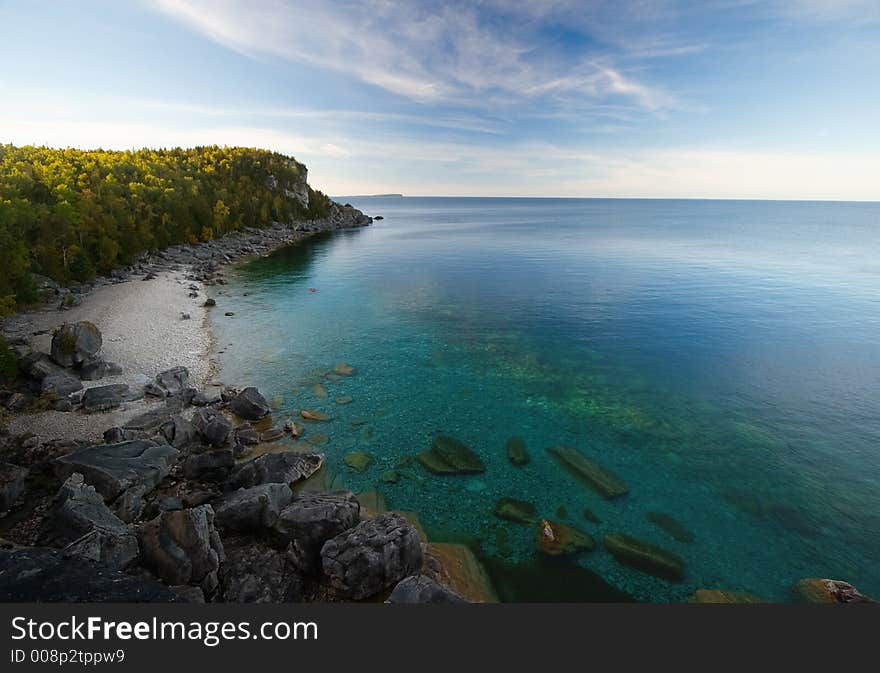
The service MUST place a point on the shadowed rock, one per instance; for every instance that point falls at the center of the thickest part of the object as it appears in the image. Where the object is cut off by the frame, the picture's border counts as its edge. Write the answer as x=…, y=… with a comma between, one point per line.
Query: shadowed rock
x=12, y=478
x=518, y=511
x=183, y=547
x=113, y=468
x=252, y=509
x=210, y=465
x=38, y=574
x=603, y=481
x=644, y=556
x=61, y=384
x=447, y=455
x=80, y=522
x=372, y=556
x=310, y=520
x=213, y=426
x=278, y=468
x=422, y=589
x=254, y=572
x=105, y=398
x=250, y=405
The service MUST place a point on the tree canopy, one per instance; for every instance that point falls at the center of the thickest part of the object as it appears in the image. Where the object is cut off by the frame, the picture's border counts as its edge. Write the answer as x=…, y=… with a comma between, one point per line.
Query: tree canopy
x=70, y=214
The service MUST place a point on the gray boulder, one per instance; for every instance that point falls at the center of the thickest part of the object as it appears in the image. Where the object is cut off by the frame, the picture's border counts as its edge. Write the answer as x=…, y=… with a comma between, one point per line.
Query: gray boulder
x=80, y=522
x=422, y=589
x=41, y=575
x=114, y=468
x=210, y=465
x=204, y=398
x=39, y=365
x=252, y=509
x=179, y=432
x=310, y=520
x=250, y=405
x=371, y=557
x=277, y=468
x=170, y=382
x=213, y=426
x=61, y=384
x=96, y=368
x=104, y=398
x=256, y=573
x=12, y=479
x=74, y=344
x=183, y=547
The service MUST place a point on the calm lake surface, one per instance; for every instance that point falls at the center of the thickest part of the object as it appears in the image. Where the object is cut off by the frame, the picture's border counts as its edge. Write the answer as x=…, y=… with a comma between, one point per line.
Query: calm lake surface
x=721, y=357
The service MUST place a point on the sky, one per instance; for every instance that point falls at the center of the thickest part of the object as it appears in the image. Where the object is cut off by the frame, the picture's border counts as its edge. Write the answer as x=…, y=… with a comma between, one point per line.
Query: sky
x=772, y=99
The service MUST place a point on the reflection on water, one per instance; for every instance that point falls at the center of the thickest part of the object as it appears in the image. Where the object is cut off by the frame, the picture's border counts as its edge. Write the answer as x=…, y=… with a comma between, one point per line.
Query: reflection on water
x=720, y=357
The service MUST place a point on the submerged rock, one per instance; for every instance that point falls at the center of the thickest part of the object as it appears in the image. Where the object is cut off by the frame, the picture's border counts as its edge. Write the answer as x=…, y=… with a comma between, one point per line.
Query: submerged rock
x=345, y=399
x=556, y=539
x=447, y=455
x=815, y=590
x=518, y=511
x=372, y=556
x=343, y=369
x=250, y=405
x=603, y=481
x=516, y=451
x=723, y=596
x=310, y=415
x=675, y=530
x=590, y=516
x=358, y=460
x=645, y=556
x=455, y=566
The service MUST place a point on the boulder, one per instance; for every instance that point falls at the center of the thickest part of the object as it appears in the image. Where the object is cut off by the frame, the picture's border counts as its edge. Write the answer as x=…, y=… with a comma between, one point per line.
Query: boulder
x=518, y=511
x=114, y=468
x=603, y=481
x=447, y=455
x=310, y=520
x=74, y=344
x=278, y=468
x=12, y=478
x=257, y=573
x=179, y=432
x=516, y=451
x=80, y=522
x=556, y=539
x=371, y=557
x=213, y=426
x=210, y=465
x=170, y=382
x=61, y=384
x=96, y=368
x=645, y=557
x=104, y=398
x=422, y=589
x=252, y=509
x=250, y=405
x=41, y=575
x=39, y=365
x=815, y=590
x=204, y=398
x=183, y=547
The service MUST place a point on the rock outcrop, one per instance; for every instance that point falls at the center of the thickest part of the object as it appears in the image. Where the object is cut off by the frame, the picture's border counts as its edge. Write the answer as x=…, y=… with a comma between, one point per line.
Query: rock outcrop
x=74, y=344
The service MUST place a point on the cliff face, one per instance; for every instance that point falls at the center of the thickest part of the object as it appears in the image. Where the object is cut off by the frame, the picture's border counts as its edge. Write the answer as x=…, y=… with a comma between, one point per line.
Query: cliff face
x=296, y=190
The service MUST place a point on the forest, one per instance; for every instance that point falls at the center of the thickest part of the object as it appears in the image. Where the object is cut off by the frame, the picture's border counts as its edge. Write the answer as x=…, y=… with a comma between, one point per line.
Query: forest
x=71, y=214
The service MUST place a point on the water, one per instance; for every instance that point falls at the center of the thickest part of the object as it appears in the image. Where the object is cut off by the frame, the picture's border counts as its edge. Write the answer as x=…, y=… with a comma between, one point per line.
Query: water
x=721, y=357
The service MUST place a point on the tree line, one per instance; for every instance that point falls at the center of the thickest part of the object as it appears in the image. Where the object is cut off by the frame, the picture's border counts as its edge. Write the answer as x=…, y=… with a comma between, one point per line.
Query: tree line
x=71, y=214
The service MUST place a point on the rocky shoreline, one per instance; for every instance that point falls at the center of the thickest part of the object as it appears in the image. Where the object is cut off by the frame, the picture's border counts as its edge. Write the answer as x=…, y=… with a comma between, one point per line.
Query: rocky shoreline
x=185, y=499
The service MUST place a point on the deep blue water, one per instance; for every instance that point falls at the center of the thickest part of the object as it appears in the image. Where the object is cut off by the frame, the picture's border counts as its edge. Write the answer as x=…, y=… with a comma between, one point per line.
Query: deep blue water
x=722, y=357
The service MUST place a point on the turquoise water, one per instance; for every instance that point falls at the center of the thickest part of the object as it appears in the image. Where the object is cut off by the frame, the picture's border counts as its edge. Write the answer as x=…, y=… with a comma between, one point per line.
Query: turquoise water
x=721, y=357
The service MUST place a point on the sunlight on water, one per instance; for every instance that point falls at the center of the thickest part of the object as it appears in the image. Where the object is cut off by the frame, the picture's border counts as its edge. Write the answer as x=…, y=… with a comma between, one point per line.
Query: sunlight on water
x=721, y=358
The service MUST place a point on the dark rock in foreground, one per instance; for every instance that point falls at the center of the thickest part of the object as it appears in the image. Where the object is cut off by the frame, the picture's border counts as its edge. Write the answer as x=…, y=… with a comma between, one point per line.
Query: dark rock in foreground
x=257, y=573
x=183, y=547
x=114, y=468
x=644, y=556
x=252, y=509
x=210, y=465
x=422, y=589
x=447, y=455
x=313, y=518
x=603, y=481
x=213, y=426
x=38, y=574
x=12, y=479
x=372, y=557
x=104, y=398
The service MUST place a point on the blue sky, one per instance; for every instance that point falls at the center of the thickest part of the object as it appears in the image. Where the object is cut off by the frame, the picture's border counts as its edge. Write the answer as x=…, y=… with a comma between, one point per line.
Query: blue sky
x=662, y=98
